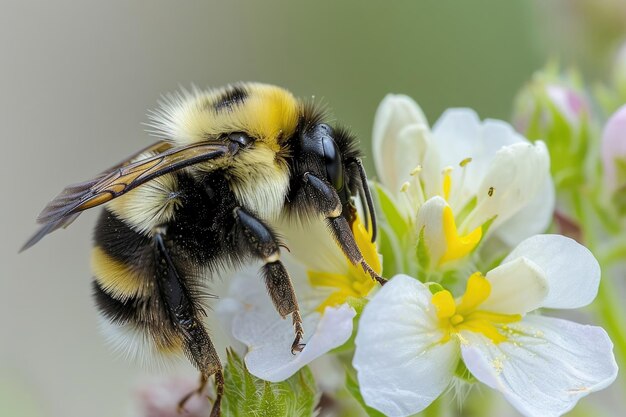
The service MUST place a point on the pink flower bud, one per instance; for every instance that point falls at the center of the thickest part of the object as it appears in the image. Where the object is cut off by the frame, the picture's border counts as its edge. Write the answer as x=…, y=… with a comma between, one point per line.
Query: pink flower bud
x=570, y=103
x=544, y=96
x=160, y=399
x=614, y=149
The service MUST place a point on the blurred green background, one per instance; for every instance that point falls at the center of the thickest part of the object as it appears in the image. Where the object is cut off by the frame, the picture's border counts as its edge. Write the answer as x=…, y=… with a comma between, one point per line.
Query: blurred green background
x=77, y=78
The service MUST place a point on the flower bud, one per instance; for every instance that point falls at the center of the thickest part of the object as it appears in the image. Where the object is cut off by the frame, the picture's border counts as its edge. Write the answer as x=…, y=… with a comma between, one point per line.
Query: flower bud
x=554, y=109
x=547, y=99
x=614, y=154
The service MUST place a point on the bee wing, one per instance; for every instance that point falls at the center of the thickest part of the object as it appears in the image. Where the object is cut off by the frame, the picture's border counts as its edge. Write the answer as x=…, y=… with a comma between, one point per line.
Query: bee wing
x=74, y=199
x=155, y=148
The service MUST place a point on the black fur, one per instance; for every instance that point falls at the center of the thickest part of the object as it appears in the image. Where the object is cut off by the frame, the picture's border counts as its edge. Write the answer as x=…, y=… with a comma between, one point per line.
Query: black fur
x=117, y=311
x=233, y=96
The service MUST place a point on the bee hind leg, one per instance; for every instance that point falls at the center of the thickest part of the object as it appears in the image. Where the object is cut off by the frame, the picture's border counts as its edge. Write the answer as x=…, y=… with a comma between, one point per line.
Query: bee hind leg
x=204, y=380
x=263, y=244
x=184, y=314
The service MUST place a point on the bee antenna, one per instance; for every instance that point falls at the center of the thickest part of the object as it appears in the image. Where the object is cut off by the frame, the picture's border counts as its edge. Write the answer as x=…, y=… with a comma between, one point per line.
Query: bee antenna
x=365, y=190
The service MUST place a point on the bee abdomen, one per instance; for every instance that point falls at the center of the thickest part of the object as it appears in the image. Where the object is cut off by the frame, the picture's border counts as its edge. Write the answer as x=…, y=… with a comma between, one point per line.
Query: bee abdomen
x=125, y=291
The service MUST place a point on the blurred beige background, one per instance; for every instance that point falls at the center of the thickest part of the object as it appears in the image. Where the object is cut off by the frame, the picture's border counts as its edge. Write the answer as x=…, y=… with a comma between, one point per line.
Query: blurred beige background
x=76, y=79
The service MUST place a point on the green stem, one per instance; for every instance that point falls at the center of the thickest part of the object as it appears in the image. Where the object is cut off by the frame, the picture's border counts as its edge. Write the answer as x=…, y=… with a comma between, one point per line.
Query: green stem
x=607, y=305
x=613, y=252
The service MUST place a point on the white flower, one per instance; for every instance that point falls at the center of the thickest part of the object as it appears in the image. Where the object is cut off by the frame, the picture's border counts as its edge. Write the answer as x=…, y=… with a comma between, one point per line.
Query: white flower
x=409, y=341
x=325, y=283
x=460, y=179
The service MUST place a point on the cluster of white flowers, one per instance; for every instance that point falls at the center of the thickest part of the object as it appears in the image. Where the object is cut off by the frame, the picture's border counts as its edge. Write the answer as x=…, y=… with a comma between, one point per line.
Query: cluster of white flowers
x=466, y=197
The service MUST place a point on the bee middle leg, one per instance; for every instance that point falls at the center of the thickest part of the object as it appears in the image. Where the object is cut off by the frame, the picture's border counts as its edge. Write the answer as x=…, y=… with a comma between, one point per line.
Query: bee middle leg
x=263, y=244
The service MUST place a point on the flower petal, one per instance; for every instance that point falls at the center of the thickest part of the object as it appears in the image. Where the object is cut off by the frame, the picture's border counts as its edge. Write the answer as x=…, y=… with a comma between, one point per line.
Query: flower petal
x=269, y=339
x=459, y=135
x=533, y=218
x=572, y=272
x=548, y=365
x=456, y=135
x=300, y=235
x=515, y=176
x=430, y=221
x=395, y=113
x=402, y=366
x=517, y=287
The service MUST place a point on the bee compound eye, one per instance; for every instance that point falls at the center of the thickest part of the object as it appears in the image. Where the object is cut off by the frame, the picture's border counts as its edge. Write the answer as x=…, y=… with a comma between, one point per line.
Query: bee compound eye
x=241, y=138
x=333, y=162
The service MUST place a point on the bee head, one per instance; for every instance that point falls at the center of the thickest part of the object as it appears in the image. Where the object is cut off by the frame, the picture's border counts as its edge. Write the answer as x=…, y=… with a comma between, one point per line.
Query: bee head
x=325, y=159
x=332, y=154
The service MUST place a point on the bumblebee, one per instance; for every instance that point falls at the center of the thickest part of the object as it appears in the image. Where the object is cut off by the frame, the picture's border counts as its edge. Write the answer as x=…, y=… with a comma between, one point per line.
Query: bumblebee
x=231, y=163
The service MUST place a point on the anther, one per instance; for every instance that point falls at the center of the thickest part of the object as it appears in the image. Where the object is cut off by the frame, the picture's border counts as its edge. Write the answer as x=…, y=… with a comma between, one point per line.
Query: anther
x=405, y=187
x=465, y=162
x=416, y=170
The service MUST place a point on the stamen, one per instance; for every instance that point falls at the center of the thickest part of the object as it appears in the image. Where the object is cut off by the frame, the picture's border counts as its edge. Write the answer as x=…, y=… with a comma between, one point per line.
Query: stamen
x=461, y=184
x=409, y=198
x=465, y=162
x=447, y=182
x=419, y=191
x=416, y=170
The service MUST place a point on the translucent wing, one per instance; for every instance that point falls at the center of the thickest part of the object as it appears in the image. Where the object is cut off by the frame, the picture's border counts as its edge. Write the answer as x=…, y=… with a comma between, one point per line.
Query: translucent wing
x=74, y=199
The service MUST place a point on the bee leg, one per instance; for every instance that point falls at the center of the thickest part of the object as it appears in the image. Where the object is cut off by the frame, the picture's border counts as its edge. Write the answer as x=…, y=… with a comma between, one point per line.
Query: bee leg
x=219, y=388
x=185, y=315
x=263, y=243
x=327, y=202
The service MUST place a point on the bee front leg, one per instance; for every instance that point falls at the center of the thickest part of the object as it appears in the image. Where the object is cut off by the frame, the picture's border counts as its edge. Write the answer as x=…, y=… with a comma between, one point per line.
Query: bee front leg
x=327, y=202
x=263, y=244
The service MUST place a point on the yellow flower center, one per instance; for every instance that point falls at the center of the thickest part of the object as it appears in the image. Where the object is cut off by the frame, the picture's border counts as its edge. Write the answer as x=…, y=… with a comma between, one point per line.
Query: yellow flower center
x=455, y=317
x=457, y=246
x=354, y=282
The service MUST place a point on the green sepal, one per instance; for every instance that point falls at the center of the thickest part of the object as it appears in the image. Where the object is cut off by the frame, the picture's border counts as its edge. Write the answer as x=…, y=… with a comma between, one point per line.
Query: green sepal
x=467, y=209
x=422, y=253
x=463, y=373
x=389, y=248
x=248, y=396
x=486, y=226
x=391, y=214
x=434, y=287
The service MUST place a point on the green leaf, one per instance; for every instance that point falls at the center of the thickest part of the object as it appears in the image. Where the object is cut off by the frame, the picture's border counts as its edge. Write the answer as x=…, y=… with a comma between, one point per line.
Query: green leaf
x=487, y=225
x=248, y=396
x=391, y=214
x=389, y=248
x=467, y=209
x=354, y=390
